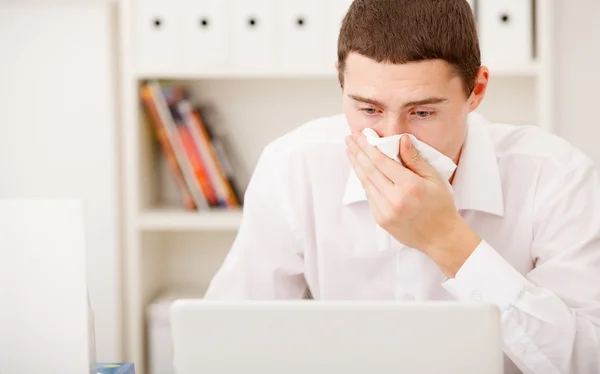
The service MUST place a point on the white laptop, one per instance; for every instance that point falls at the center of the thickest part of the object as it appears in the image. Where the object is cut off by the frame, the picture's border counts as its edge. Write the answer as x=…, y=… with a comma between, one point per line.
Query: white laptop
x=274, y=337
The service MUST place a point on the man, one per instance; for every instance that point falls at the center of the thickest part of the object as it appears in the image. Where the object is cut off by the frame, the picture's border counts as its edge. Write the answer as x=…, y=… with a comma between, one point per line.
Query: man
x=521, y=228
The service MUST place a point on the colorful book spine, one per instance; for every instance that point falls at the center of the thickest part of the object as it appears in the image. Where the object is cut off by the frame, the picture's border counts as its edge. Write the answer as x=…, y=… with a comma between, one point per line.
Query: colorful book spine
x=161, y=135
x=198, y=163
x=196, y=157
x=221, y=154
x=203, y=143
x=174, y=137
x=175, y=95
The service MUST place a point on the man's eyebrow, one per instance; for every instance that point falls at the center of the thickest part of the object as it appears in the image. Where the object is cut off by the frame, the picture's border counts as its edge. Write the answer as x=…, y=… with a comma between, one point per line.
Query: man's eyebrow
x=427, y=101
x=367, y=100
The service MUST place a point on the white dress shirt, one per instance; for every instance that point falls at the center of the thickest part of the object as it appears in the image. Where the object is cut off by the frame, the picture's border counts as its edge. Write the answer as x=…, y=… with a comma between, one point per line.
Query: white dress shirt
x=532, y=198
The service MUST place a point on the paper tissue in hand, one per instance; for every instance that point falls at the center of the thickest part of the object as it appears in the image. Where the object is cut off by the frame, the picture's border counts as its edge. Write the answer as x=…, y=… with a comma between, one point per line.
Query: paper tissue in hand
x=390, y=146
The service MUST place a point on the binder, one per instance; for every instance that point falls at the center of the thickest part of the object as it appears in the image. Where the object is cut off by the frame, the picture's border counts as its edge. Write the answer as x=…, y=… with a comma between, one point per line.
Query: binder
x=156, y=30
x=253, y=34
x=506, y=32
x=205, y=25
x=300, y=27
x=335, y=12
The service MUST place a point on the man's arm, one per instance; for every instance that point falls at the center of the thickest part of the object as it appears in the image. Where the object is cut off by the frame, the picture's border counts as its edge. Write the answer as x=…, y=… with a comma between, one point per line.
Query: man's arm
x=551, y=317
x=266, y=260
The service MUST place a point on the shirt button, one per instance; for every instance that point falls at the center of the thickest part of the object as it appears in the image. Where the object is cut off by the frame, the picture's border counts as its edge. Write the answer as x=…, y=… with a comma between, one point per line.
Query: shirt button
x=478, y=296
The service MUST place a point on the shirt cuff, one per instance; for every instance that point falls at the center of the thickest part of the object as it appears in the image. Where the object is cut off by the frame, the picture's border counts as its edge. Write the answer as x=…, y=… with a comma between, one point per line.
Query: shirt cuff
x=486, y=276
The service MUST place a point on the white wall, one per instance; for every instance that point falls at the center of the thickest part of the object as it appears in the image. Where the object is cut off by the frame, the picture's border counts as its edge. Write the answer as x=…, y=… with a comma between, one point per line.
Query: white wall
x=578, y=73
x=57, y=131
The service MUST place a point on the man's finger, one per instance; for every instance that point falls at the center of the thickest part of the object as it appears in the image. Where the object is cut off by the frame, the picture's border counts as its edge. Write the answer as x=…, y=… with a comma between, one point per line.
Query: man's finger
x=378, y=202
x=364, y=168
x=393, y=170
x=414, y=161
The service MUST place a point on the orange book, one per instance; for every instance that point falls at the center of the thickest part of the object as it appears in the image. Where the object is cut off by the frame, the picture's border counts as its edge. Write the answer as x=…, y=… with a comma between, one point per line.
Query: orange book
x=198, y=125
x=207, y=154
x=163, y=140
x=199, y=167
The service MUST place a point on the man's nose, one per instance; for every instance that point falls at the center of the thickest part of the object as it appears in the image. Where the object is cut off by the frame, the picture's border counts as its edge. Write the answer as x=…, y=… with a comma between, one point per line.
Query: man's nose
x=393, y=125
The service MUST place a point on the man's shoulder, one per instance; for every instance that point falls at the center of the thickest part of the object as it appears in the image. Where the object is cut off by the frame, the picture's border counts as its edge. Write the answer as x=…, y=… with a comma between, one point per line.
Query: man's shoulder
x=318, y=132
x=532, y=142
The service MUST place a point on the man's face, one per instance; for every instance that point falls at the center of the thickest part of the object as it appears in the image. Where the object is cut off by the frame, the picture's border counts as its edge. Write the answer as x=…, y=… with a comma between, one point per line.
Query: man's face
x=421, y=98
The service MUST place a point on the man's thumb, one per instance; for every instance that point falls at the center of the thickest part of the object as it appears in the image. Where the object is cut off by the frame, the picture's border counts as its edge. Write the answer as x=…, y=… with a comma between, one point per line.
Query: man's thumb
x=413, y=159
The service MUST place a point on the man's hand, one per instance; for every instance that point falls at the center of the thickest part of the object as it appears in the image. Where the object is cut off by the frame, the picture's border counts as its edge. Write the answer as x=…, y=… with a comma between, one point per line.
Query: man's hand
x=412, y=203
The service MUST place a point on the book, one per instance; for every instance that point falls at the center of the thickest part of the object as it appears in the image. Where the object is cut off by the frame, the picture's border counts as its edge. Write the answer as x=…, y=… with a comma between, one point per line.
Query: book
x=199, y=165
x=221, y=154
x=194, y=154
x=152, y=117
x=173, y=134
x=217, y=176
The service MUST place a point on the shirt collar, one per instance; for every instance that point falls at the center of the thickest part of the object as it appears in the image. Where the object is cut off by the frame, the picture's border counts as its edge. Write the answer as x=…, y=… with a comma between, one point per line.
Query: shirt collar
x=477, y=184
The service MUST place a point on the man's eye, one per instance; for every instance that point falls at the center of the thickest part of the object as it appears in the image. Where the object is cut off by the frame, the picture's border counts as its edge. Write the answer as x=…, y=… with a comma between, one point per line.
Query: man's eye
x=423, y=113
x=369, y=111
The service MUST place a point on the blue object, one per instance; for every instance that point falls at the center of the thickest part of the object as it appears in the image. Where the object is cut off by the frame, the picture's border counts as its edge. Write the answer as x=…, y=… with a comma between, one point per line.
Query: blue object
x=115, y=368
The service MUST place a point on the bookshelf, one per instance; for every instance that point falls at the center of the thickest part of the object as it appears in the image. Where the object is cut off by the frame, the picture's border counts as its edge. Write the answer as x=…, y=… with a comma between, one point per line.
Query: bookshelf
x=167, y=247
x=173, y=219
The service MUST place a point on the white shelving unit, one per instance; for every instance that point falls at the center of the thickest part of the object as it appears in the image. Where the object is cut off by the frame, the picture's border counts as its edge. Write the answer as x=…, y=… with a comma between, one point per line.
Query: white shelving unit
x=167, y=247
x=169, y=219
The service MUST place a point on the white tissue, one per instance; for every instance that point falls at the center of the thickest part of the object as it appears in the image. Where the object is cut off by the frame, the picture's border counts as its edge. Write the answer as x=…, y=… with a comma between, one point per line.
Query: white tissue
x=390, y=146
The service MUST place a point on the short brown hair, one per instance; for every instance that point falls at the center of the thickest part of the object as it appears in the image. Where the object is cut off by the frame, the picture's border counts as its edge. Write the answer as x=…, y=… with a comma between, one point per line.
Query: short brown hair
x=402, y=31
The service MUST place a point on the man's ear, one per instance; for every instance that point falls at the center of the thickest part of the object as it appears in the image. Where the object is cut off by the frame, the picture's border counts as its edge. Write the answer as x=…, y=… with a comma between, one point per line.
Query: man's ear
x=481, y=83
x=336, y=64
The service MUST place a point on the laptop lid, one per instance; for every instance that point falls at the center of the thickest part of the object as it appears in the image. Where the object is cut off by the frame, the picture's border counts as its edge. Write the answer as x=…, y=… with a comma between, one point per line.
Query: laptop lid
x=335, y=337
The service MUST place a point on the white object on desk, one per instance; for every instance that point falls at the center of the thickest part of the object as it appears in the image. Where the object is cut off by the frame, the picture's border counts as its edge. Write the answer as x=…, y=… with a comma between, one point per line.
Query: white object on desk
x=44, y=325
x=275, y=337
x=160, y=343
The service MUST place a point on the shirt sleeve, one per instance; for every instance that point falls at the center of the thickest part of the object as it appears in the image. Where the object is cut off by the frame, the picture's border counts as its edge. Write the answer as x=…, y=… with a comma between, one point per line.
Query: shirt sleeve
x=551, y=316
x=266, y=260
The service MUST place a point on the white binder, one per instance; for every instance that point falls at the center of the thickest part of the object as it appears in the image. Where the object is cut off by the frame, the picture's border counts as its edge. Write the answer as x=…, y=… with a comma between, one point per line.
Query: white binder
x=205, y=25
x=156, y=36
x=253, y=35
x=300, y=26
x=335, y=12
x=506, y=32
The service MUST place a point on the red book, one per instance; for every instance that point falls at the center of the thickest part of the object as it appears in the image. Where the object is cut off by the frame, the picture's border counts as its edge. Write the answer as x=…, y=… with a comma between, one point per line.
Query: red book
x=198, y=165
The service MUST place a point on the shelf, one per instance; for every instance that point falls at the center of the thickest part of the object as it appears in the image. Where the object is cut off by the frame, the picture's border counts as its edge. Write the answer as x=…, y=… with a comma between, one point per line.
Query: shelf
x=526, y=70
x=166, y=219
x=238, y=74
